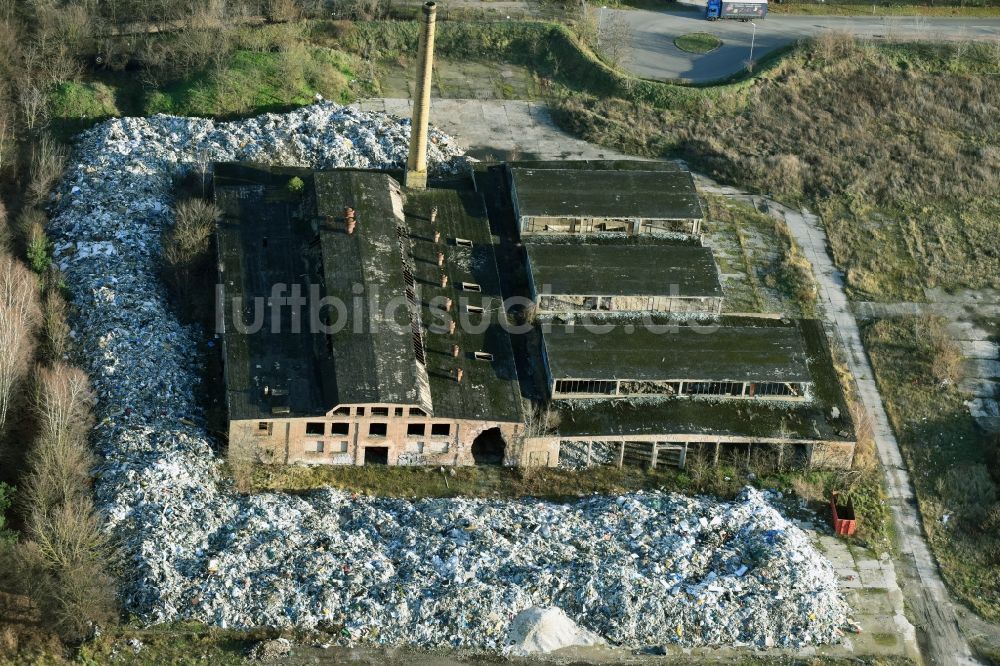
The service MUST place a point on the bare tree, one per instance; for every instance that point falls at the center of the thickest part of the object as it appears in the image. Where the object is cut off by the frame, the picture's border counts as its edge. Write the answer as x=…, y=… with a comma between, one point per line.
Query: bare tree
x=7, y=145
x=5, y=234
x=60, y=460
x=19, y=317
x=244, y=457
x=617, y=43
x=63, y=402
x=55, y=329
x=33, y=105
x=48, y=159
x=65, y=562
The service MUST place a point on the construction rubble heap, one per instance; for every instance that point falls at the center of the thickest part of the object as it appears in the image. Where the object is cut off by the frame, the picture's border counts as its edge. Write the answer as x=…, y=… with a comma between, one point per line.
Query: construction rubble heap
x=636, y=570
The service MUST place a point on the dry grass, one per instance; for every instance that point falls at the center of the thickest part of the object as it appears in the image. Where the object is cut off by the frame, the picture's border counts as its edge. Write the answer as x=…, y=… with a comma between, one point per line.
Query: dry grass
x=955, y=470
x=897, y=147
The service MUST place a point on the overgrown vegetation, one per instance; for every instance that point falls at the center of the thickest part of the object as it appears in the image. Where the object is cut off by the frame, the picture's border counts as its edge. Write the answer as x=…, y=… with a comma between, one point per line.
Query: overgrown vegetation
x=766, y=269
x=187, y=252
x=955, y=465
x=859, y=132
x=7, y=536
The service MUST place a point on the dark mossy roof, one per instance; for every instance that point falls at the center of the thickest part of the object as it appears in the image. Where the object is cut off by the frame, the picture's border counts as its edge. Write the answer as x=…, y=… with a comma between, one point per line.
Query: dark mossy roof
x=606, y=193
x=373, y=352
x=259, y=244
x=618, y=348
x=269, y=236
x=815, y=419
x=600, y=165
x=489, y=388
x=623, y=270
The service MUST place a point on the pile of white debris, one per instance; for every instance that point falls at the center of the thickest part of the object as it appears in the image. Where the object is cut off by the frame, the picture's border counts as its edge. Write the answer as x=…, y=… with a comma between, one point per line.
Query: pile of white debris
x=634, y=570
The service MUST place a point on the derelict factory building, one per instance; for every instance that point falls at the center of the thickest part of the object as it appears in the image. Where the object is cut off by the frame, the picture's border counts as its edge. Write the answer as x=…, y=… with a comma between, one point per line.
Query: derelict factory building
x=626, y=334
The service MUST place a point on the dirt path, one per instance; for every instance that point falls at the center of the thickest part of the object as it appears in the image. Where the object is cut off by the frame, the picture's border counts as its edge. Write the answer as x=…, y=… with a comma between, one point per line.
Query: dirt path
x=926, y=595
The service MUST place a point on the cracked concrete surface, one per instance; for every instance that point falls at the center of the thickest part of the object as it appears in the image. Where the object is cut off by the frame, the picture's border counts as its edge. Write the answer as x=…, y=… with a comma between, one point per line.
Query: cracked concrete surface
x=967, y=312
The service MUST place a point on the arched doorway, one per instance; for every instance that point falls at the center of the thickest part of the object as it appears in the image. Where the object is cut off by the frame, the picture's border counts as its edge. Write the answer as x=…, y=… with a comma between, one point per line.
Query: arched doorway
x=488, y=448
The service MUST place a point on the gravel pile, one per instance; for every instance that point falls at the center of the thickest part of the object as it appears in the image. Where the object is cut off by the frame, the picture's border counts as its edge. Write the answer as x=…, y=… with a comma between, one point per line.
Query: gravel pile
x=637, y=569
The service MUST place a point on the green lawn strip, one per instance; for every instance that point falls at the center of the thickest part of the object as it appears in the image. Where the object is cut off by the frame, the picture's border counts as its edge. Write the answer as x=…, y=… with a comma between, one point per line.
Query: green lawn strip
x=698, y=42
x=950, y=460
x=248, y=83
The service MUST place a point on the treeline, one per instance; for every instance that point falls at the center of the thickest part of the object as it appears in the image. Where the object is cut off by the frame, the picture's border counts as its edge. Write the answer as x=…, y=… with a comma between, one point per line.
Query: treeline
x=54, y=556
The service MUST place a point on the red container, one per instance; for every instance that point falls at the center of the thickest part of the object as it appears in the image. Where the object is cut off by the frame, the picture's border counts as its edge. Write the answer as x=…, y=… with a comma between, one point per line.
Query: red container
x=844, y=521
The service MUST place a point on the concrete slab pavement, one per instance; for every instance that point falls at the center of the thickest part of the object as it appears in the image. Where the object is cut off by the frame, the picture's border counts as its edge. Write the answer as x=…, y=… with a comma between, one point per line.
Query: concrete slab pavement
x=930, y=605
x=499, y=129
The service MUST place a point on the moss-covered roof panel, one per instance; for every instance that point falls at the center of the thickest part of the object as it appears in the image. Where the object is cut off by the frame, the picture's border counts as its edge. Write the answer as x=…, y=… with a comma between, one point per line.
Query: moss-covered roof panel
x=373, y=351
x=268, y=368
x=623, y=270
x=593, y=193
x=489, y=388
x=649, y=349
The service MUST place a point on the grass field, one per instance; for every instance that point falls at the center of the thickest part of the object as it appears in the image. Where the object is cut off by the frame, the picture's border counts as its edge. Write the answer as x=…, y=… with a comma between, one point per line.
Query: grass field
x=254, y=81
x=698, y=42
x=247, y=82
x=860, y=133
x=954, y=464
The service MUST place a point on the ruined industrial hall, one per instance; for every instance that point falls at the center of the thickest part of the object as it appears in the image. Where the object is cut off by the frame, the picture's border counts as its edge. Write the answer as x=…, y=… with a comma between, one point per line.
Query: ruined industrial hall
x=623, y=331
x=529, y=313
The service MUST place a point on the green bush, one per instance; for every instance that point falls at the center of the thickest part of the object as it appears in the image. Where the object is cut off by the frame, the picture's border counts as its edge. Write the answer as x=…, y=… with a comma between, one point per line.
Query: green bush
x=296, y=186
x=39, y=250
x=78, y=99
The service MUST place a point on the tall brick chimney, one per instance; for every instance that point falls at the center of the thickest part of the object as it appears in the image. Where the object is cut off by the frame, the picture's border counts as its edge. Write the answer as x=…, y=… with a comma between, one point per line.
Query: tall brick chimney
x=416, y=163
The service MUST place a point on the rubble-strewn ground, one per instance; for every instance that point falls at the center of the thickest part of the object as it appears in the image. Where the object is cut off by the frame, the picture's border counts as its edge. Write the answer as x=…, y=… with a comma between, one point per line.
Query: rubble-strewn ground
x=637, y=569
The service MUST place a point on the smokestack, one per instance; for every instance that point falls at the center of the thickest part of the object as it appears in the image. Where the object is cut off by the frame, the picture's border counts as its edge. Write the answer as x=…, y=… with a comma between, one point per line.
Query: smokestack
x=416, y=163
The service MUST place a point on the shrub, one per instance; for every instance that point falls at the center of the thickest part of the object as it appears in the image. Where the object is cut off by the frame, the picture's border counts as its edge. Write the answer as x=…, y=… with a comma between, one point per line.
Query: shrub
x=296, y=185
x=187, y=249
x=48, y=158
x=39, y=250
x=6, y=499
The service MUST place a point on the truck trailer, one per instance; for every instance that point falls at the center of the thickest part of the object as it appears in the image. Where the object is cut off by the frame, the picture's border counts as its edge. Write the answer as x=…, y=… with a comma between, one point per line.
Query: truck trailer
x=745, y=10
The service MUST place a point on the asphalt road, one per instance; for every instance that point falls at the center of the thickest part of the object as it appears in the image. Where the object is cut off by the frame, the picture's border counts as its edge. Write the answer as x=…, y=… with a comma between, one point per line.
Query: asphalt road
x=653, y=54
